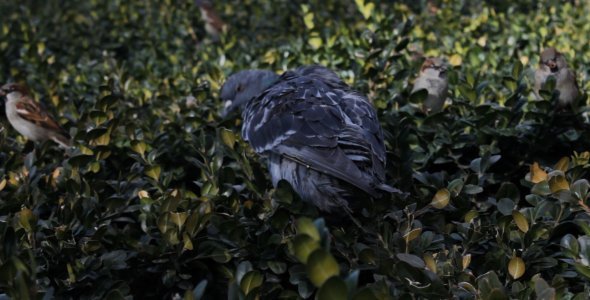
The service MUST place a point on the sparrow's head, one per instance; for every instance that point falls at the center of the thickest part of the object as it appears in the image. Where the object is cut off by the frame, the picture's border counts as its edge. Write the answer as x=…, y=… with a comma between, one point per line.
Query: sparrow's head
x=204, y=4
x=553, y=60
x=240, y=87
x=436, y=64
x=13, y=90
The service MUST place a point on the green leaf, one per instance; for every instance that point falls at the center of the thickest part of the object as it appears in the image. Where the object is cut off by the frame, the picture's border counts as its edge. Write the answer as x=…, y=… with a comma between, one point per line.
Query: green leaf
x=199, y=290
x=488, y=284
x=333, y=288
x=251, y=280
x=542, y=289
x=365, y=294
x=307, y=226
x=320, y=266
x=467, y=92
x=517, y=69
x=303, y=246
x=506, y=206
x=570, y=243
x=412, y=260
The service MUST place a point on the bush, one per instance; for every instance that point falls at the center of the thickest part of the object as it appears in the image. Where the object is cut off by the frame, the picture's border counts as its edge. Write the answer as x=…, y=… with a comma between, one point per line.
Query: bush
x=162, y=199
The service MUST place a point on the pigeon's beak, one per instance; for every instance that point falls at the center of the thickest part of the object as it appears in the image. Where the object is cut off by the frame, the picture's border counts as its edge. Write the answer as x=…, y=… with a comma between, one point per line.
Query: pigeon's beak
x=227, y=108
x=2, y=92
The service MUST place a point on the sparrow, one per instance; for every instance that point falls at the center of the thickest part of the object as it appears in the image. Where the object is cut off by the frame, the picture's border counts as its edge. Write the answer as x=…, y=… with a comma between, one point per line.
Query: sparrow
x=315, y=131
x=213, y=23
x=433, y=78
x=29, y=118
x=553, y=63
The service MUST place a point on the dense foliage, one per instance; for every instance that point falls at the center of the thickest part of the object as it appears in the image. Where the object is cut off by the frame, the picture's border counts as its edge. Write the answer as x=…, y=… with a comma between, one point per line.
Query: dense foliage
x=161, y=198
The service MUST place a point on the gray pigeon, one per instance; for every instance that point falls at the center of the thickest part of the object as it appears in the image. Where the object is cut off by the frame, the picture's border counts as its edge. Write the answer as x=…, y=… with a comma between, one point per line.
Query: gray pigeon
x=317, y=133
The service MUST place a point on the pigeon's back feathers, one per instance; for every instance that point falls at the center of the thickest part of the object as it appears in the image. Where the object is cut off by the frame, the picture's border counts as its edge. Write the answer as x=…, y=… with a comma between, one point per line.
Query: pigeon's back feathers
x=321, y=136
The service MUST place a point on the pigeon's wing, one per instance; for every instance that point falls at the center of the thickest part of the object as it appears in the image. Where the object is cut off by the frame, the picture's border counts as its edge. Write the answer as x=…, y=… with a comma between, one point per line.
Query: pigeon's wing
x=306, y=120
x=362, y=139
x=34, y=113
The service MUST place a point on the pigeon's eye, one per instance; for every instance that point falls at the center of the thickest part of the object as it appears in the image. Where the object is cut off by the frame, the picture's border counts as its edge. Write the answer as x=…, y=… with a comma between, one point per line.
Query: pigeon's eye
x=239, y=88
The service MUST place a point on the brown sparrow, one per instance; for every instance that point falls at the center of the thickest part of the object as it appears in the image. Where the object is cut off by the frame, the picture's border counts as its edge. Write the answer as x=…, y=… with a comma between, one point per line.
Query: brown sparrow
x=553, y=63
x=29, y=118
x=213, y=23
x=433, y=78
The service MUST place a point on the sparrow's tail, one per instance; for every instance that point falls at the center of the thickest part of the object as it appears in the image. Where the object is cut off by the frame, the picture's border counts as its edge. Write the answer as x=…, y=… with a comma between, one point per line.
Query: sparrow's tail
x=63, y=141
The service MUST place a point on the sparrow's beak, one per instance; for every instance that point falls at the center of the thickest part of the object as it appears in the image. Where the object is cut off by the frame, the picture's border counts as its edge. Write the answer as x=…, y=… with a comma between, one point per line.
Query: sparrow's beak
x=552, y=65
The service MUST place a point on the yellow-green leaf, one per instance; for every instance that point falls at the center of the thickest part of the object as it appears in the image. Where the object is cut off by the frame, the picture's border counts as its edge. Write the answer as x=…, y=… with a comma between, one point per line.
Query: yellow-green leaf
x=516, y=267
x=441, y=199
x=537, y=174
x=153, y=172
x=455, y=60
x=466, y=261
x=520, y=221
x=315, y=42
x=470, y=215
x=306, y=226
x=26, y=218
x=188, y=244
x=320, y=266
x=139, y=147
x=178, y=218
x=429, y=261
x=303, y=246
x=558, y=183
x=562, y=164
x=412, y=234
x=228, y=137
x=365, y=9
x=308, y=20
x=2, y=184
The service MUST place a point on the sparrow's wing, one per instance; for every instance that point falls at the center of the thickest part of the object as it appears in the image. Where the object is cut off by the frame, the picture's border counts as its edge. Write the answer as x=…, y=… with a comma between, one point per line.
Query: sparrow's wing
x=314, y=119
x=210, y=16
x=34, y=113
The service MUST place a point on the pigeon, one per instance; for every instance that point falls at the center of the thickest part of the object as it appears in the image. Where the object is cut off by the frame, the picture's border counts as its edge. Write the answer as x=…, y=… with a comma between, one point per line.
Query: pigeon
x=315, y=131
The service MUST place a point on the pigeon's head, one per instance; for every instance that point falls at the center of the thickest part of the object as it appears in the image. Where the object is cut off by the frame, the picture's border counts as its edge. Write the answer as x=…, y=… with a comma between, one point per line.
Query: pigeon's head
x=553, y=60
x=240, y=87
x=13, y=90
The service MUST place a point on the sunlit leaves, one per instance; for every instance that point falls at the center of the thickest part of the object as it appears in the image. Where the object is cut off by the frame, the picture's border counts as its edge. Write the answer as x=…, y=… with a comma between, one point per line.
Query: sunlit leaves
x=521, y=221
x=321, y=265
x=441, y=199
x=516, y=267
x=537, y=174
